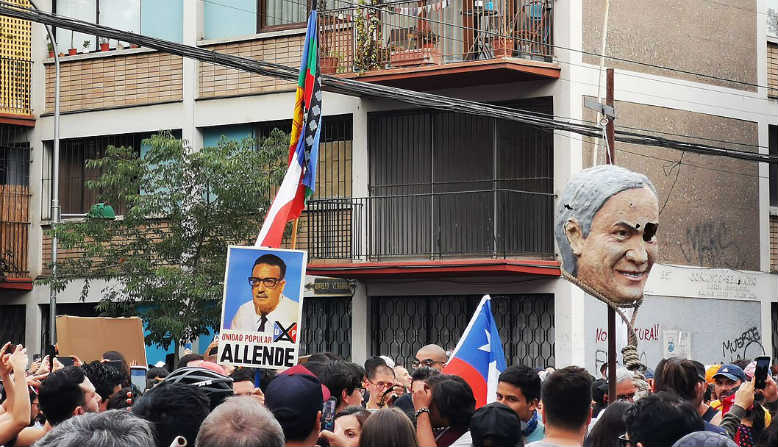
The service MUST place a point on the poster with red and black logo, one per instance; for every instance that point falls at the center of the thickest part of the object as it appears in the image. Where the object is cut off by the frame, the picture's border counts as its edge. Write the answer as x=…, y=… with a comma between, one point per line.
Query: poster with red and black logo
x=262, y=308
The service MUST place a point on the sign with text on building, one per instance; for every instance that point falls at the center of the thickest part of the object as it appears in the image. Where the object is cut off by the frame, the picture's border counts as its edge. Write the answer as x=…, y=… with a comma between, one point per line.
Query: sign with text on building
x=700, y=282
x=262, y=307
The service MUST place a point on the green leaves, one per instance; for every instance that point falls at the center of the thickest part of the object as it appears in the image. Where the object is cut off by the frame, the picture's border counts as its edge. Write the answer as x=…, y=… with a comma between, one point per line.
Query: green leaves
x=164, y=257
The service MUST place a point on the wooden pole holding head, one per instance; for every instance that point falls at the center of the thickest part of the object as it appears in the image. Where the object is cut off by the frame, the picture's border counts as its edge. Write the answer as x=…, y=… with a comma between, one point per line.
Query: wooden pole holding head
x=611, y=157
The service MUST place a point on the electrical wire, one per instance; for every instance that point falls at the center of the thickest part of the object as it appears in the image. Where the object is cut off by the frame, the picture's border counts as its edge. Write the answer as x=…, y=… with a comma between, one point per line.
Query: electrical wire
x=357, y=88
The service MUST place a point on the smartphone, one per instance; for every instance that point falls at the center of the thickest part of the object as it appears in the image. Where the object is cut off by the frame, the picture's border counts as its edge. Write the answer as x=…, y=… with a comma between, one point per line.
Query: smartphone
x=761, y=371
x=213, y=351
x=328, y=415
x=66, y=361
x=138, y=377
x=36, y=358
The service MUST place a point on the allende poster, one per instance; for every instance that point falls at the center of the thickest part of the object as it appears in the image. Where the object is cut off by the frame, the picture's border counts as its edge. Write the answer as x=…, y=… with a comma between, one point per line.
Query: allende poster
x=262, y=307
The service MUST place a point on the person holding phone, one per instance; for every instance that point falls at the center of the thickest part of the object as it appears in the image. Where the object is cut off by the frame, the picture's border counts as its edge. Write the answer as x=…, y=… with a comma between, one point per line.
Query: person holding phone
x=752, y=408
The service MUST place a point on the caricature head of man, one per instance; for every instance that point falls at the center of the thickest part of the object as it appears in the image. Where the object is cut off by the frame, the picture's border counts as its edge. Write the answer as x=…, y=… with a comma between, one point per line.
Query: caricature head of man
x=267, y=282
x=605, y=227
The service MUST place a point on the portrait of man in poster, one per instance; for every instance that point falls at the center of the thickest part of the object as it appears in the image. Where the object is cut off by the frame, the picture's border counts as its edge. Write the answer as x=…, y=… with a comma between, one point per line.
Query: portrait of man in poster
x=268, y=304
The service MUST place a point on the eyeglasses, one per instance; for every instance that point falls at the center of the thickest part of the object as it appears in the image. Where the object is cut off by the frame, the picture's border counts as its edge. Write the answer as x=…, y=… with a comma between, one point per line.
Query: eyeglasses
x=426, y=362
x=630, y=397
x=381, y=385
x=267, y=282
x=624, y=442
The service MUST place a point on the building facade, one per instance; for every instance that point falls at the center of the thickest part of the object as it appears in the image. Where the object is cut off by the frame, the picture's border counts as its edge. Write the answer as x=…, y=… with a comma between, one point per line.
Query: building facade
x=420, y=212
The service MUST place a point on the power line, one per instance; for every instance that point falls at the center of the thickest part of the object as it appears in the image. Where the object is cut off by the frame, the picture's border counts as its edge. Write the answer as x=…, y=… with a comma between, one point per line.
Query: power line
x=358, y=88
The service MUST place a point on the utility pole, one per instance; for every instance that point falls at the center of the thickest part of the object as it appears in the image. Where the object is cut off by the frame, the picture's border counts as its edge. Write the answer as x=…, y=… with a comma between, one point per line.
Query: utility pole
x=611, y=159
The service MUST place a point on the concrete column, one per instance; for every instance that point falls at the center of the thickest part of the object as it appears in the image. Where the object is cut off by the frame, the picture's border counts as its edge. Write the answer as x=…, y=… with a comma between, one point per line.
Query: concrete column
x=192, y=26
x=32, y=328
x=360, y=324
x=360, y=177
x=767, y=329
x=569, y=325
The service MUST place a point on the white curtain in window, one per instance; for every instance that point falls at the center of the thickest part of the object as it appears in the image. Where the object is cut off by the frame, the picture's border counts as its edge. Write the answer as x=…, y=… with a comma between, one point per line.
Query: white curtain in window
x=78, y=9
x=121, y=14
x=283, y=12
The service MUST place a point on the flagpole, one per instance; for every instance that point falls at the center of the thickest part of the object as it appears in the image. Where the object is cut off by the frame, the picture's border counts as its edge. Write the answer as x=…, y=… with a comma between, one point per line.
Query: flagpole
x=294, y=233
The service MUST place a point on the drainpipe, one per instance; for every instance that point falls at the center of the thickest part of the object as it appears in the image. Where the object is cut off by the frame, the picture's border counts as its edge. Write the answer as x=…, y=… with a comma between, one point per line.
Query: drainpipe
x=54, y=193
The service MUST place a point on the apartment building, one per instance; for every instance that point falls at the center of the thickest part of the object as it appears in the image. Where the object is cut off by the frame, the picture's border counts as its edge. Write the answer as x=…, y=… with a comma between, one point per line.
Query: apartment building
x=420, y=212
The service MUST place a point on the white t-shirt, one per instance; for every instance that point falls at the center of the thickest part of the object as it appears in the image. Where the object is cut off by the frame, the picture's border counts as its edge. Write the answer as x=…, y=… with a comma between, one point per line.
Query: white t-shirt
x=246, y=318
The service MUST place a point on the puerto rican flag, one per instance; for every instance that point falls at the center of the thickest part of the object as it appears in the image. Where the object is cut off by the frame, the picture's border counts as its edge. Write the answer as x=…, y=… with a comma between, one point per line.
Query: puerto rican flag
x=478, y=357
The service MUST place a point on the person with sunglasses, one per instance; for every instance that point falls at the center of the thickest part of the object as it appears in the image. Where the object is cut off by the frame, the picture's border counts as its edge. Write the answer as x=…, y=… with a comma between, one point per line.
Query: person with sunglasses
x=268, y=304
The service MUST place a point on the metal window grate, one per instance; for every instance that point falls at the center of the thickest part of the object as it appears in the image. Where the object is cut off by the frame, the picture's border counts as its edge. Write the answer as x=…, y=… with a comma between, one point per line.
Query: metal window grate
x=12, y=323
x=333, y=174
x=326, y=326
x=401, y=325
x=14, y=201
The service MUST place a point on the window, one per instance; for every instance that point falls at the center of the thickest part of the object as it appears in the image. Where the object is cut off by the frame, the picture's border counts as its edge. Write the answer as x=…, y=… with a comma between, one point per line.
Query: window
x=74, y=196
x=231, y=18
x=773, y=167
x=275, y=14
x=772, y=18
x=154, y=18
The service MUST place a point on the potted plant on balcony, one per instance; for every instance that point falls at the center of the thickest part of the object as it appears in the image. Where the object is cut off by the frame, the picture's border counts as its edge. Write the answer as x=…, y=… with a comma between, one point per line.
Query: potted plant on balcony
x=421, y=51
x=72, y=50
x=503, y=46
x=329, y=60
x=50, y=46
x=368, y=51
x=86, y=45
x=104, y=46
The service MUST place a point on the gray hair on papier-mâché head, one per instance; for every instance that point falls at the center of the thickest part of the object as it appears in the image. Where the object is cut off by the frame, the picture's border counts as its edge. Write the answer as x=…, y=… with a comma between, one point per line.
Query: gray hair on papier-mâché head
x=584, y=195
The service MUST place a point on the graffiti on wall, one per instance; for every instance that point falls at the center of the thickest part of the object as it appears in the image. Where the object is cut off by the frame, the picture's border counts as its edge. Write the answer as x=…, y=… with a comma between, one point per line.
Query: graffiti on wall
x=747, y=345
x=711, y=244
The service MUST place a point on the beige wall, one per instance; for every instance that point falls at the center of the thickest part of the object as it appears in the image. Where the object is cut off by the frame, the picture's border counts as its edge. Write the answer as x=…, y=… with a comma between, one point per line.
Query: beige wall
x=701, y=36
x=711, y=218
x=115, y=81
x=217, y=80
x=774, y=243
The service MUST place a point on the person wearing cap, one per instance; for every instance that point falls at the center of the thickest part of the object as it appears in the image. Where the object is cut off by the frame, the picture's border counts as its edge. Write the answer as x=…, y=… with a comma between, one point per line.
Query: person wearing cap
x=495, y=425
x=725, y=382
x=295, y=397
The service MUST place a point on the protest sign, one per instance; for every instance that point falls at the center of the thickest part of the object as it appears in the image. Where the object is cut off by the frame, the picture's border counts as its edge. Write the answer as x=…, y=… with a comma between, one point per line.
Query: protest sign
x=89, y=337
x=262, y=307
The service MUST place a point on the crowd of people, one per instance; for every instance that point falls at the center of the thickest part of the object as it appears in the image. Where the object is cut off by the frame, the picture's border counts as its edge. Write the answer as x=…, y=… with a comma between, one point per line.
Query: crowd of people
x=330, y=401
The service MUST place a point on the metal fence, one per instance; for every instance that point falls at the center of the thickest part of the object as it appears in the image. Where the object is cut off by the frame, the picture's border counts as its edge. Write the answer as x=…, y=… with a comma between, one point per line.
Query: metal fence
x=493, y=223
x=15, y=85
x=401, y=325
x=326, y=326
x=373, y=35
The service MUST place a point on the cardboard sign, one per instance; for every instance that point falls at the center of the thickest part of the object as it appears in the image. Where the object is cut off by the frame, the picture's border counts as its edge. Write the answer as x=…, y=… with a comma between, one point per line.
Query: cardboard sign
x=262, y=307
x=89, y=337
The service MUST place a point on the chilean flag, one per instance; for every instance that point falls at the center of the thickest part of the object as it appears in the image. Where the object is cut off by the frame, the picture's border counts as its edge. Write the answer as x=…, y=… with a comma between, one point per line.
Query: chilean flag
x=300, y=179
x=478, y=357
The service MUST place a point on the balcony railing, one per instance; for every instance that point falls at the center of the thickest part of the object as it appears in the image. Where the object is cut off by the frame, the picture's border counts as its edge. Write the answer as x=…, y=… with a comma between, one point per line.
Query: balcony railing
x=396, y=34
x=15, y=79
x=484, y=223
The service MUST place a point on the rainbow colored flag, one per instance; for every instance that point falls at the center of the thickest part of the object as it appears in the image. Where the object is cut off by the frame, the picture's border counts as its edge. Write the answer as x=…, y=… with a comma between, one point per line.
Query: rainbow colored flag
x=300, y=179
